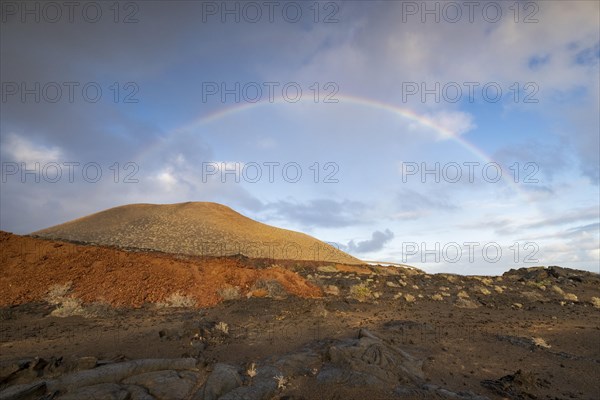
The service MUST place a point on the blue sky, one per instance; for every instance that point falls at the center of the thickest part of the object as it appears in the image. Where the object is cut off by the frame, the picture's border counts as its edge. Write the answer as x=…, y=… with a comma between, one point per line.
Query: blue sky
x=162, y=118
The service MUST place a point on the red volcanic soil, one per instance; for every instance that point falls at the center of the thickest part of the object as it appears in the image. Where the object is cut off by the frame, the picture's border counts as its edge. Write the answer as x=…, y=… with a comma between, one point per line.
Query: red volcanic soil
x=100, y=274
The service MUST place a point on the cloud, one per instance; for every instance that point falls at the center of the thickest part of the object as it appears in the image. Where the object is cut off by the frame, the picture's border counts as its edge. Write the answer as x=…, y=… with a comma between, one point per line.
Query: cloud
x=20, y=149
x=317, y=213
x=510, y=226
x=377, y=241
x=591, y=228
x=457, y=122
x=538, y=160
x=411, y=204
x=582, y=214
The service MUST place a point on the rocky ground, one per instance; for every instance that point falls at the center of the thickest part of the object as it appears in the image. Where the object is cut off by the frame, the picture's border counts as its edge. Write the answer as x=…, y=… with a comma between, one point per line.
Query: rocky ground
x=365, y=333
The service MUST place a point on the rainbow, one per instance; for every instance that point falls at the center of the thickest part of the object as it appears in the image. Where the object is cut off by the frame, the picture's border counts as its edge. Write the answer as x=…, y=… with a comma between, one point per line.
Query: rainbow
x=404, y=113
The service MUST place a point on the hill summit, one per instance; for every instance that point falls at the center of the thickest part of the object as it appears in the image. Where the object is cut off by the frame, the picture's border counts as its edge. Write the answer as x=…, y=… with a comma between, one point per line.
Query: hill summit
x=193, y=228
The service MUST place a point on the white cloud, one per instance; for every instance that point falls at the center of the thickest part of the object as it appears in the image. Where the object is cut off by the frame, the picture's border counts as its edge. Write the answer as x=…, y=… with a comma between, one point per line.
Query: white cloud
x=20, y=149
x=166, y=179
x=457, y=122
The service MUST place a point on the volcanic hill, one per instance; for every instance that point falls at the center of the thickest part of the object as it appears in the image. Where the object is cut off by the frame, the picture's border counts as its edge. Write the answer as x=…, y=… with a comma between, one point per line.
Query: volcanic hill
x=193, y=228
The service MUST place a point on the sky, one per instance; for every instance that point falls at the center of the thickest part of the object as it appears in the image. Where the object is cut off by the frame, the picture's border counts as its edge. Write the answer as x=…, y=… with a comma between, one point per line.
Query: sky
x=453, y=136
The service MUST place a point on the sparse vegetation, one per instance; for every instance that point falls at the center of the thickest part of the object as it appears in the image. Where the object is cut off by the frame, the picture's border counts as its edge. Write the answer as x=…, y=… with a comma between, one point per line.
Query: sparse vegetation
x=252, y=371
x=437, y=297
x=177, y=300
x=327, y=269
x=281, y=381
x=596, y=302
x=230, y=293
x=570, y=297
x=558, y=290
x=463, y=295
x=268, y=288
x=66, y=306
x=487, y=281
x=222, y=327
x=69, y=307
x=57, y=293
x=360, y=292
x=484, y=291
x=332, y=290
x=539, y=342
x=409, y=298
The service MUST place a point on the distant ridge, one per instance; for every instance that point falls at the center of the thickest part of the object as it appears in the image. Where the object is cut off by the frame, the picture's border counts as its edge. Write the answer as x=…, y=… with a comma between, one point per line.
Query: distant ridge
x=193, y=228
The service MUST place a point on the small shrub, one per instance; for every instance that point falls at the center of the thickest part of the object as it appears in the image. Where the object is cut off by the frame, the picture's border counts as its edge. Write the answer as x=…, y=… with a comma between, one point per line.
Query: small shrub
x=558, y=290
x=465, y=303
x=230, y=293
x=57, y=293
x=463, y=295
x=252, y=371
x=437, y=297
x=498, y=289
x=178, y=300
x=332, y=290
x=487, y=281
x=360, y=292
x=539, y=342
x=409, y=298
x=271, y=288
x=596, y=302
x=222, y=327
x=327, y=269
x=485, y=291
x=570, y=297
x=281, y=381
x=69, y=307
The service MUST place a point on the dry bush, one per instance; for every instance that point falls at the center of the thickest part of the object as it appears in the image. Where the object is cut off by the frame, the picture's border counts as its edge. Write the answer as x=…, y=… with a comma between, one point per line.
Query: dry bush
x=487, y=281
x=230, y=293
x=66, y=306
x=538, y=341
x=177, y=300
x=69, y=307
x=223, y=327
x=331, y=290
x=558, y=290
x=272, y=288
x=570, y=297
x=498, y=289
x=409, y=298
x=327, y=269
x=596, y=302
x=360, y=292
x=57, y=293
x=463, y=295
x=437, y=297
x=465, y=303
